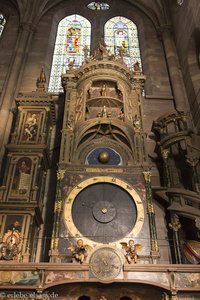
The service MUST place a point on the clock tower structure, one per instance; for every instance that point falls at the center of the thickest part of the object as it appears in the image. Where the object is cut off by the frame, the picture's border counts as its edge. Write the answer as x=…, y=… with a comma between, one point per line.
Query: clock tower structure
x=103, y=181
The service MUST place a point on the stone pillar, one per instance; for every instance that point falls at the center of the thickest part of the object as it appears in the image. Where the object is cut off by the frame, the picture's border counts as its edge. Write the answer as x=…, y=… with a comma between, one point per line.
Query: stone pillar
x=177, y=84
x=13, y=80
x=151, y=213
x=175, y=225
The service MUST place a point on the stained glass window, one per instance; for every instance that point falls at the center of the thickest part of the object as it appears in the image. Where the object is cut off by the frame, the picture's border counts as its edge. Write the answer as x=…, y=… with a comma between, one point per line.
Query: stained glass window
x=2, y=23
x=121, y=38
x=72, y=36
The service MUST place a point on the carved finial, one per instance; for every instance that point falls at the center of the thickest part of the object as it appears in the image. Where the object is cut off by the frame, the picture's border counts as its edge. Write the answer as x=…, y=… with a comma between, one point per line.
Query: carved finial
x=41, y=80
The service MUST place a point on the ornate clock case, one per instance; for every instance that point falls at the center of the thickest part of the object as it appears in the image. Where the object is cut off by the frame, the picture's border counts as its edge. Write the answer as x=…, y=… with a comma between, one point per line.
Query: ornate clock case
x=101, y=184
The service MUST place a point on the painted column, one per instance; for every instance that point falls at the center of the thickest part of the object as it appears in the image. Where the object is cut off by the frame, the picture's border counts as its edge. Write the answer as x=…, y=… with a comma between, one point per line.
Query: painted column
x=150, y=212
x=166, y=170
x=57, y=214
x=175, y=225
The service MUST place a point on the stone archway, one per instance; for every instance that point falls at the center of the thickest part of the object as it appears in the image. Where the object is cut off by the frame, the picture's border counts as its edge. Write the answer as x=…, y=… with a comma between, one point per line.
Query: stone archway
x=113, y=291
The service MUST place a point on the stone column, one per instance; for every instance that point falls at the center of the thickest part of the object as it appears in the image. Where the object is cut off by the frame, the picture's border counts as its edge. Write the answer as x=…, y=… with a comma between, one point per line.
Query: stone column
x=13, y=79
x=177, y=84
x=151, y=213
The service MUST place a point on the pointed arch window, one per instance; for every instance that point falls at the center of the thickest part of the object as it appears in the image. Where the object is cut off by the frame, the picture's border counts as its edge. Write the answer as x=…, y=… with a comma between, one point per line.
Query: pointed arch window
x=121, y=38
x=73, y=35
x=2, y=23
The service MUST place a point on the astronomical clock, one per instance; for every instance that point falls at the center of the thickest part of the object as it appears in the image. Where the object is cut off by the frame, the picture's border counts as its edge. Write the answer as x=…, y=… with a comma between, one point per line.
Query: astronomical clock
x=103, y=181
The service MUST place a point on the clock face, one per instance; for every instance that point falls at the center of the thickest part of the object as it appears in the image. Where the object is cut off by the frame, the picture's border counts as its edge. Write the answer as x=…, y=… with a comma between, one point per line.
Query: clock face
x=103, y=209
x=104, y=212
x=105, y=263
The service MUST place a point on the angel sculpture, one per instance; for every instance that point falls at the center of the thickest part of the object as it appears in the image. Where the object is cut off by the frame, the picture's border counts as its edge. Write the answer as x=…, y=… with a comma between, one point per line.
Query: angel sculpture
x=80, y=251
x=131, y=250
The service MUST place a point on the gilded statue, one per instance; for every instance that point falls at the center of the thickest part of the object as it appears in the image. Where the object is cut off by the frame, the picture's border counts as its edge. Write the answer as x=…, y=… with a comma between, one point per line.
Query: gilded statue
x=80, y=251
x=131, y=250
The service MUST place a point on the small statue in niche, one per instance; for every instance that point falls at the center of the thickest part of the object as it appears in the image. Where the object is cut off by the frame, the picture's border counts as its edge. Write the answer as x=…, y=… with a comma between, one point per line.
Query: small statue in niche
x=131, y=250
x=80, y=251
x=103, y=91
x=104, y=113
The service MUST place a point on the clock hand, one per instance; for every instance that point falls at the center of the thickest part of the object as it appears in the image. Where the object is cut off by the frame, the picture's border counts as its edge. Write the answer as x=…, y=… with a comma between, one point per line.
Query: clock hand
x=104, y=261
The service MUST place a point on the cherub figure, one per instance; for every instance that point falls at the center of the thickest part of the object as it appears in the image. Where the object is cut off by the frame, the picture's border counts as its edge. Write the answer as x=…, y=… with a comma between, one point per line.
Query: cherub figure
x=80, y=251
x=131, y=250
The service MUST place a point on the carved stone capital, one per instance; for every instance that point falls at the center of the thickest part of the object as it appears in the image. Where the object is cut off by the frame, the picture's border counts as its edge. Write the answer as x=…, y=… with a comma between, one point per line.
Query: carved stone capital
x=147, y=176
x=192, y=161
x=60, y=174
x=165, y=154
x=175, y=225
